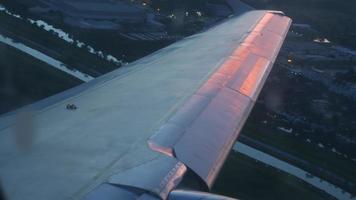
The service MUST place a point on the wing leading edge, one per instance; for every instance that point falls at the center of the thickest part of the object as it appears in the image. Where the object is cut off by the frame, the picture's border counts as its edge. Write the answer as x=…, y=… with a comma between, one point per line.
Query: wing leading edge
x=189, y=100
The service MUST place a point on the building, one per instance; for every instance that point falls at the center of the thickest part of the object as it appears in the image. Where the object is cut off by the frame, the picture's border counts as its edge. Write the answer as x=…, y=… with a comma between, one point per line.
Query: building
x=218, y=10
x=91, y=14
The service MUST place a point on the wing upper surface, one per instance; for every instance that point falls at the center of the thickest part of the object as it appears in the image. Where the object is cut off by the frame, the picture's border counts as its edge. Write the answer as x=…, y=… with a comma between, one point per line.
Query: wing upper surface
x=187, y=101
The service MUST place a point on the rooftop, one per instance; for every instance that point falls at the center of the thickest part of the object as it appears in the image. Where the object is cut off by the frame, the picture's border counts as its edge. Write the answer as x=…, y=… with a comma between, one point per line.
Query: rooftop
x=91, y=6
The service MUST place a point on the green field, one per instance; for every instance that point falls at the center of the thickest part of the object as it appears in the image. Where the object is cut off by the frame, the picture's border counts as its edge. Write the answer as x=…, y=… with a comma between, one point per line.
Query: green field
x=311, y=153
x=24, y=79
x=244, y=178
x=79, y=58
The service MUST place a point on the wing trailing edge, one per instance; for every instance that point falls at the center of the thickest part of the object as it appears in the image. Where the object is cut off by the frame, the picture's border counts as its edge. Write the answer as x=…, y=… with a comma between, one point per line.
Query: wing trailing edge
x=203, y=130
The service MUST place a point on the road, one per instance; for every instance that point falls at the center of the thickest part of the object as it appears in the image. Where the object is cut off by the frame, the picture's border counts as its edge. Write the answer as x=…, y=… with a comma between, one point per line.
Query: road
x=44, y=58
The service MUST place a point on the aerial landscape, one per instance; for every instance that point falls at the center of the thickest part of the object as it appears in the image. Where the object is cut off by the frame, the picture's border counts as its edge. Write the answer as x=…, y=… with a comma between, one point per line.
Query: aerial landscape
x=299, y=141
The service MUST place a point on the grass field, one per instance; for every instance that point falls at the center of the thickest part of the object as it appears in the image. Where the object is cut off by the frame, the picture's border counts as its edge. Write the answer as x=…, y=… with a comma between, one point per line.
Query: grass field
x=311, y=153
x=22, y=31
x=244, y=178
x=24, y=79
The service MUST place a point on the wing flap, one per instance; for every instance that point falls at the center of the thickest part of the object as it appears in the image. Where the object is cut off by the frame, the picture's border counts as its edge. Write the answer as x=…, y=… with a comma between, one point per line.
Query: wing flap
x=206, y=143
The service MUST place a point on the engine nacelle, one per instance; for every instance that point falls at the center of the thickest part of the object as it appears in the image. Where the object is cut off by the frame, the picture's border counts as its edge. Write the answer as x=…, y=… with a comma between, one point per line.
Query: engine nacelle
x=193, y=195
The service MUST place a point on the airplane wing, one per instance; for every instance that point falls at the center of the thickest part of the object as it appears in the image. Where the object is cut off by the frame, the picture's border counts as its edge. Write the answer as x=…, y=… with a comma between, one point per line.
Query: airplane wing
x=134, y=133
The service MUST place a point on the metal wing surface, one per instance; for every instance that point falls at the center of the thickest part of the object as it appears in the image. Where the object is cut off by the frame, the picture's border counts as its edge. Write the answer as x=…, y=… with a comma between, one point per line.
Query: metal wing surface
x=136, y=131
